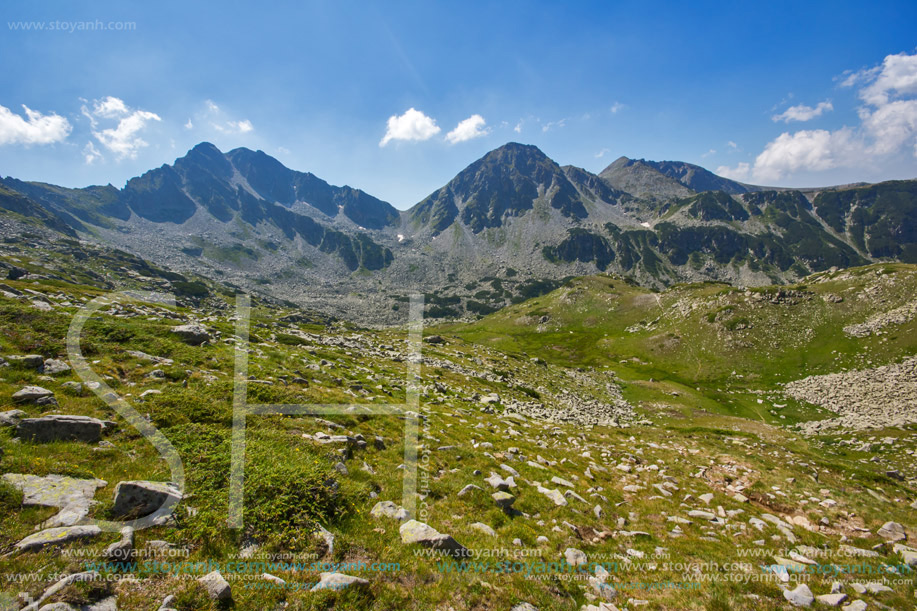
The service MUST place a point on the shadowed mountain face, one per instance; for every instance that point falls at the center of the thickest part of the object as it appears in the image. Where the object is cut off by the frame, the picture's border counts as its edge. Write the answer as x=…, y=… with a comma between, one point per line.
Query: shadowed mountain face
x=510, y=225
x=505, y=183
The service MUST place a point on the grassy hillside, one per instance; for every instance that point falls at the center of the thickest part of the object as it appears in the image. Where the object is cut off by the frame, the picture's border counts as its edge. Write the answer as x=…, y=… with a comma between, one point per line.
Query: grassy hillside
x=626, y=395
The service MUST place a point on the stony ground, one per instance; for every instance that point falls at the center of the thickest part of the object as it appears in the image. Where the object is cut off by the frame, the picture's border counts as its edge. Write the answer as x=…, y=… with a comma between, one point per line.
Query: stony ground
x=597, y=468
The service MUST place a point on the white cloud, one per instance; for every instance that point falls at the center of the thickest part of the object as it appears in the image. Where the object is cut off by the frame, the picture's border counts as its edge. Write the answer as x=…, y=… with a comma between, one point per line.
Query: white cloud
x=553, y=125
x=518, y=128
x=740, y=172
x=896, y=75
x=732, y=145
x=469, y=129
x=887, y=129
x=802, y=112
x=602, y=153
x=412, y=125
x=708, y=153
x=109, y=108
x=90, y=153
x=189, y=125
x=35, y=128
x=234, y=127
x=617, y=107
x=123, y=139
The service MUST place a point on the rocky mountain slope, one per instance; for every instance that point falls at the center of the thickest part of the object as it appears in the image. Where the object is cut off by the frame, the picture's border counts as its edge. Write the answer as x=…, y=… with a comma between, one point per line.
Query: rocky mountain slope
x=510, y=225
x=602, y=446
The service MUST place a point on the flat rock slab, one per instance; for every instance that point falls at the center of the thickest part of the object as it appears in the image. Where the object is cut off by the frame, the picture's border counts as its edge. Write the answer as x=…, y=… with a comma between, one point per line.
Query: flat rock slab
x=73, y=496
x=60, y=428
x=337, y=581
x=31, y=394
x=53, y=537
x=143, y=497
x=413, y=531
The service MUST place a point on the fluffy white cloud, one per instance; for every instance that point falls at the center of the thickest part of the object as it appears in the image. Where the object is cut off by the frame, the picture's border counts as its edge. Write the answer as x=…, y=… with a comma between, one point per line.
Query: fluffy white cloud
x=617, y=107
x=888, y=127
x=741, y=172
x=412, y=125
x=34, y=128
x=123, y=138
x=803, y=112
x=469, y=129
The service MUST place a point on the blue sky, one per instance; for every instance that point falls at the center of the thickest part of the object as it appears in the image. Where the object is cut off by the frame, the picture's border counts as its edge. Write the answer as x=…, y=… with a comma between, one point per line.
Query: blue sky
x=788, y=93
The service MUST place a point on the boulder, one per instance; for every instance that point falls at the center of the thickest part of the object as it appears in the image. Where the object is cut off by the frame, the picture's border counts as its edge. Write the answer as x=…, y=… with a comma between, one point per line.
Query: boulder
x=53, y=367
x=857, y=605
x=337, y=581
x=413, y=531
x=31, y=394
x=574, y=556
x=892, y=531
x=217, y=587
x=142, y=497
x=193, y=333
x=484, y=528
x=801, y=596
x=555, y=495
x=123, y=550
x=60, y=428
x=832, y=600
x=504, y=500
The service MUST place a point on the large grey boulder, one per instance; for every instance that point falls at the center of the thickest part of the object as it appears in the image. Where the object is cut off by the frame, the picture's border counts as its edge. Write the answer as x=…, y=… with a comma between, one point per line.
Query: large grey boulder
x=574, y=556
x=413, y=531
x=31, y=361
x=337, y=581
x=892, y=531
x=73, y=496
x=801, y=596
x=60, y=428
x=53, y=367
x=31, y=394
x=217, y=587
x=142, y=497
x=53, y=537
x=193, y=333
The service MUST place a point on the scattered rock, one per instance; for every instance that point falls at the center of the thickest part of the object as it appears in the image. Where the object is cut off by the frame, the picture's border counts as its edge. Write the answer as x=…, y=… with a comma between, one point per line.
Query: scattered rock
x=388, y=509
x=413, y=531
x=53, y=537
x=73, y=496
x=60, y=428
x=142, y=498
x=832, y=600
x=484, y=528
x=892, y=531
x=11, y=417
x=799, y=597
x=574, y=556
x=54, y=367
x=193, y=333
x=337, y=581
x=217, y=587
x=31, y=394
